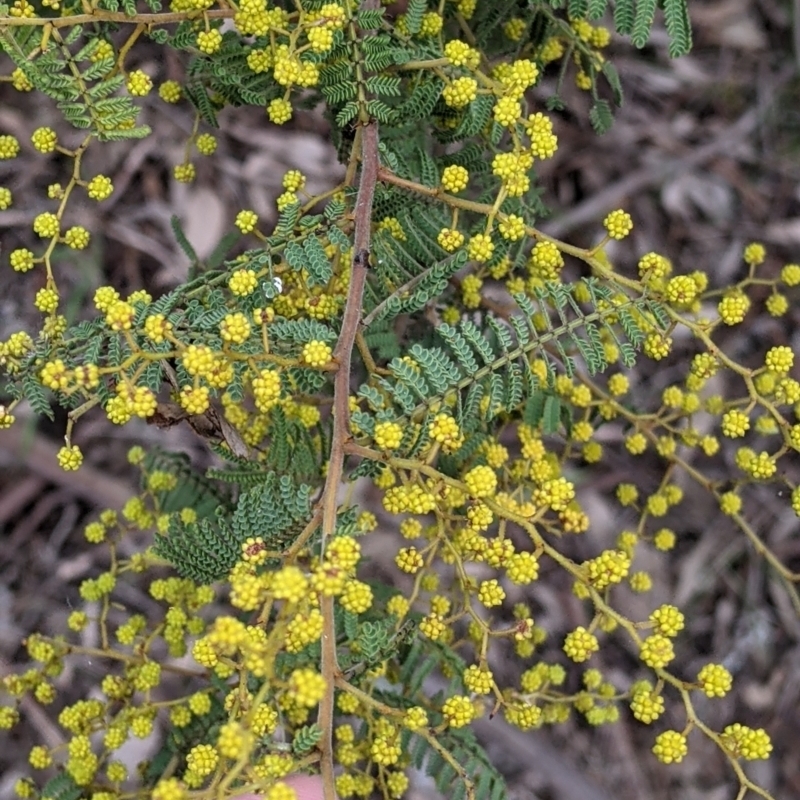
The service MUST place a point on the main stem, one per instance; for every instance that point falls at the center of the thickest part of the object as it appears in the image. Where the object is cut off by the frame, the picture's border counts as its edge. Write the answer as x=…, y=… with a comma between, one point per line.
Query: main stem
x=341, y=419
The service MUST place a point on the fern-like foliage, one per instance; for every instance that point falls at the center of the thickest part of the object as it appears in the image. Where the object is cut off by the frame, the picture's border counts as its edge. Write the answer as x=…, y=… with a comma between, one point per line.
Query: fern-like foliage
x=202, y=494
x=63, y=787
x=466, y=774
x=305, y=739
x=635, y=18
x=276, y=509
x=643, y=21
x=472, y=362
x=347, y=84
x=404, y=282
x=676, y=13
x=84, y=88
x=291, y=449
x=601, y=116
x=224, y=79
x=624, y=16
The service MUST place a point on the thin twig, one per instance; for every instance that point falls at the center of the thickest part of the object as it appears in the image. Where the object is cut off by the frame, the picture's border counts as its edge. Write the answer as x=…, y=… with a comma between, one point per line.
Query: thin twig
x=119, y=17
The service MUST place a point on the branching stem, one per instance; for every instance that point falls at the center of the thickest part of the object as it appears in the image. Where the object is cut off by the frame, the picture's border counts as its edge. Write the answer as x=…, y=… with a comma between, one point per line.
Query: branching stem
x=351, y=320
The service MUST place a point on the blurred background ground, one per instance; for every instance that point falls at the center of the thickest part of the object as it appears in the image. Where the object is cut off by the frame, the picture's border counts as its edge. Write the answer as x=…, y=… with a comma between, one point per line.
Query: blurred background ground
x=704, y=155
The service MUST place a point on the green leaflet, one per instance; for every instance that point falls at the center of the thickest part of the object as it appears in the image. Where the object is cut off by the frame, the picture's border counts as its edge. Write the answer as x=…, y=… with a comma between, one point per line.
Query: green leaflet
x=601, y=116
x=62, y=787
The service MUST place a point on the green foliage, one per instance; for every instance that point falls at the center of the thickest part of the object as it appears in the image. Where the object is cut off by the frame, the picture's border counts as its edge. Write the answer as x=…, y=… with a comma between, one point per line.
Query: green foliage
x=624, y=16
x=496, y=360
x=33, y=392
x=679, y=27
x=601, y=117
x=306, y=739
x=374, y=642
x=310, y=256
x=224, y=79
x=192, y=490
x=643, y=21
x=469, y=773
x=84, y=93
x=62, y=787
x=205, y=551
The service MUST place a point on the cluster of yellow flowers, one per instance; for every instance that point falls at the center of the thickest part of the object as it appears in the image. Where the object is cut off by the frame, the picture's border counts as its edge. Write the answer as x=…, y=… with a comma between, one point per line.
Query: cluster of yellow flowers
x=526, y=489
x=480, y=510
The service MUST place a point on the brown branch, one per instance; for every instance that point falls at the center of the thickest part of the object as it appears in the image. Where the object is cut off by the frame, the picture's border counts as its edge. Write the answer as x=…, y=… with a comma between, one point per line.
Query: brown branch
x=101, y=15
x=341, y=423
